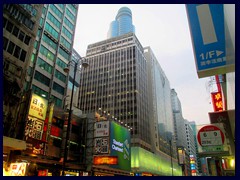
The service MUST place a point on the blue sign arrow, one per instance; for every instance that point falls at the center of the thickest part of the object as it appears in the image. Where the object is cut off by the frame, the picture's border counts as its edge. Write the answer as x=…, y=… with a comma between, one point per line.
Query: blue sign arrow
x=206, y=22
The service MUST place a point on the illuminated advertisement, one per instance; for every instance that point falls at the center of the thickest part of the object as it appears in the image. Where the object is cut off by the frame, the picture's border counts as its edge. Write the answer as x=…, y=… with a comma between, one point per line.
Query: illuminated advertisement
x=99, y=160
x=38, y=107
x=120, y=146
x=18, y=169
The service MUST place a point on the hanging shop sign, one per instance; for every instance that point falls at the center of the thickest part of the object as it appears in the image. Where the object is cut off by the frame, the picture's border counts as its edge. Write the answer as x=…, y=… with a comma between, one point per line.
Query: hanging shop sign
x=217, y=101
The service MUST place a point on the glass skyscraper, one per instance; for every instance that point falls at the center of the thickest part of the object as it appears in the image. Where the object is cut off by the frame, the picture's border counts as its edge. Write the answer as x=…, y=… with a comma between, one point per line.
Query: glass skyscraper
x=122, y=23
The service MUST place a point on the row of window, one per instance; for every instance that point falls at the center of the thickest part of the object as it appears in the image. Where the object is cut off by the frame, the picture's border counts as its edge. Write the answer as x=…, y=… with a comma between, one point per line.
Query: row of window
x=16, y=32
x=56, y=10
x=46, y=81
x=54, y=20
x=51, y=30
x=18, y=15
x=40, y=92
x=109, y=46
x=14, y=49
x=65, y=43
x=30, y=9
x=48, y=41
x=49, y=55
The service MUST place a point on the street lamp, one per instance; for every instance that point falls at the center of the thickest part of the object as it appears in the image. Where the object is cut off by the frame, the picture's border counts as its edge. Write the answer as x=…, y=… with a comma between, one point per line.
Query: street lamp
x=77, y=63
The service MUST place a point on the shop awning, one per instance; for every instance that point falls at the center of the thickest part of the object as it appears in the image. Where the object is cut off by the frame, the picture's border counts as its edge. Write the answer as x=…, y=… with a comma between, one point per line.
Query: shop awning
x=13, y=144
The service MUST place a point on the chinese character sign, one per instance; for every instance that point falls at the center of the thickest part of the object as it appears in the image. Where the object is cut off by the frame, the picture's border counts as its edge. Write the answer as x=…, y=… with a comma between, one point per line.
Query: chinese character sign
x=34, y=128
x=102, y=128
x=38, y=107
x=217, y=101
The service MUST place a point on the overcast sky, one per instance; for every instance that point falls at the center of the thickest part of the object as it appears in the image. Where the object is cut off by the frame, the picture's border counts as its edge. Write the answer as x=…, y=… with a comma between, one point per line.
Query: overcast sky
x=165, y=29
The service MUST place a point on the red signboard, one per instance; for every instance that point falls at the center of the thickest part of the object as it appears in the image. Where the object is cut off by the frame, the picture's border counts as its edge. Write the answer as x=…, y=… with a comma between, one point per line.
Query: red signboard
x=217, y=101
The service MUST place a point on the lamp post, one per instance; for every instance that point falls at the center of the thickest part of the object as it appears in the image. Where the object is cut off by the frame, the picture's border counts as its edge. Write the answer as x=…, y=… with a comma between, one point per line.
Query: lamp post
x=76, y=63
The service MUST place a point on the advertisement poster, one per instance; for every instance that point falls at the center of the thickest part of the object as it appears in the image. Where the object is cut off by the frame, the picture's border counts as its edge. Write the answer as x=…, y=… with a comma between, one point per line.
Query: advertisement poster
x=18, y=169
x=120, y=146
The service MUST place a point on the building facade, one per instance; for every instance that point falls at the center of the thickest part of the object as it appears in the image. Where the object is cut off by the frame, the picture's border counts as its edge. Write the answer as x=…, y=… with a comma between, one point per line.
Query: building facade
x=52, y=52
x=20, y=25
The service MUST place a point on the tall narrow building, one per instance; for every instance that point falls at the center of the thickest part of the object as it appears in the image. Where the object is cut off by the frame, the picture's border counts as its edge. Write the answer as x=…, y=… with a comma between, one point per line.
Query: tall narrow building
x=122, y=23
x=52, y=52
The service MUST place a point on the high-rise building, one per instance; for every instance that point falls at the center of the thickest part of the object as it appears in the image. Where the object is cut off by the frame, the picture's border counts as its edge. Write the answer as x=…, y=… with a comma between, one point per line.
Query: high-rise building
x=160, y=112
x=179, y=127
x=122, y=23
x=20, y=26
x=116, y=82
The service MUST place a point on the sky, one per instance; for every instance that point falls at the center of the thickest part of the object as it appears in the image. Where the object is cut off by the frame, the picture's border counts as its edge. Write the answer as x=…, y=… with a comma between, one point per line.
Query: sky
x=163, y=27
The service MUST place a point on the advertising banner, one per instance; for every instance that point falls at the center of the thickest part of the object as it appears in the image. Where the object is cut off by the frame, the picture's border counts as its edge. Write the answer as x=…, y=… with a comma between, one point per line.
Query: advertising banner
x=120, y=146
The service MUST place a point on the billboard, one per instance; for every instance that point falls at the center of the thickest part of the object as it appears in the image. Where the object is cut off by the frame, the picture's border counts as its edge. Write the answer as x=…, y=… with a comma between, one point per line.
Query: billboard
x=120, y=146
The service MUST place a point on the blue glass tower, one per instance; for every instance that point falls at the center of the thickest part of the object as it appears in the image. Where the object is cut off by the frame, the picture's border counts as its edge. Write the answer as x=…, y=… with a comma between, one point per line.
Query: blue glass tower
x=122, y=23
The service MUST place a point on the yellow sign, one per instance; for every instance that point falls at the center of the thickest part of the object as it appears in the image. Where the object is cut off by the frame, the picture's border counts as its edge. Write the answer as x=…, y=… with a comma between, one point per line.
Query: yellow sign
x=38, y=107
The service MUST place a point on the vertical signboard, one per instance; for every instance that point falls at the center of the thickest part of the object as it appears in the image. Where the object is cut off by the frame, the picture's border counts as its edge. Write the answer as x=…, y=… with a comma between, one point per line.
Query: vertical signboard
x=120, y=146
x=206, y=22
x=38, y=107
x=217, y=101
x=102, y=129
x=35, y=124
x=101, y=140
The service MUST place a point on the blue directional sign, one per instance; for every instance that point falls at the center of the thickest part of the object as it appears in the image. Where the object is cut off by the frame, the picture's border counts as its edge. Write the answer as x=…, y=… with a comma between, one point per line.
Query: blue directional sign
x=206, y=22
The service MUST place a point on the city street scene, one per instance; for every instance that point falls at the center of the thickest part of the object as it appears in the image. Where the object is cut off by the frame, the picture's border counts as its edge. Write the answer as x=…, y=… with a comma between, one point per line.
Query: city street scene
x=118, y=90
